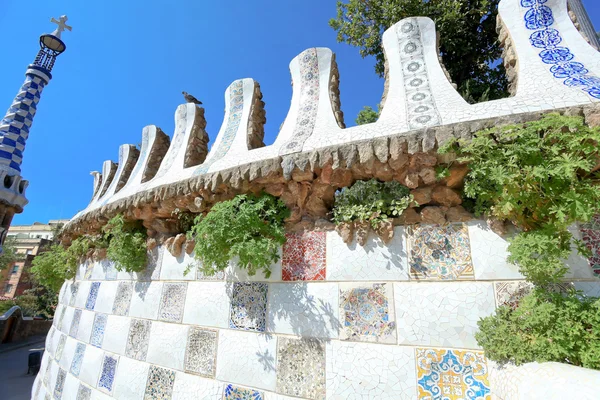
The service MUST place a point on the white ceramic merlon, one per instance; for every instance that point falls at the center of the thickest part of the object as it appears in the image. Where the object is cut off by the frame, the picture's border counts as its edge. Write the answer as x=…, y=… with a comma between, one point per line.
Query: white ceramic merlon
x=108, y=168
x=126, y=154
x=419, y=95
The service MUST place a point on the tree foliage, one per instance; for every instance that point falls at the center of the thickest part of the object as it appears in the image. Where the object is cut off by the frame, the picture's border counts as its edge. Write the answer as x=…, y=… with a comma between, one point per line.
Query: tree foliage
x=246, y=228
x=9, y=253
x=53, y=266
x=540, y=176
x=126, y=244
x=367, y=116
x=546, y=326
x=371, y=201
x=468, y=39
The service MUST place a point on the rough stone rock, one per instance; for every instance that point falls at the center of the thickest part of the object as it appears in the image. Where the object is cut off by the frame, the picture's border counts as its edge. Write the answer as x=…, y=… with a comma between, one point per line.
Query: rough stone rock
x=433, y=215
x=497, y=226
x=361, y=229
x=410, y=180
x=177, y=245
x=458, y=214
x=323, y=224
x=189, y=246
x=421, y=196
x=409, y=216
x=275, y=190
x=423, y=160
x=445, y=196
x=301, y=176
x=385, y=230
x=398, y=161
x=592, y=116
x=151, y=243
x=341, y=178
x=345, y=230
x=428, y=175
x=326, y=173
x=168, y=243
x=382, y=171
x=457, y=175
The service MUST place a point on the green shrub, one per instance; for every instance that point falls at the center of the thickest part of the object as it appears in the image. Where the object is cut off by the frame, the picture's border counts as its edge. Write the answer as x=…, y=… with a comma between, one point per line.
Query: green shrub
x=53, y=266
x=371, y=201
x=248, y=227
x=545, y=326
x=9, y=253
x=539, y=176
x=126, y=244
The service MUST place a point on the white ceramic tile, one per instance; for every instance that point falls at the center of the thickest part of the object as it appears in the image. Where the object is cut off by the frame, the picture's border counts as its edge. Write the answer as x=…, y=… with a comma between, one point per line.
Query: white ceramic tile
x=70, y=388
x=130, y=379
x=370, y=371
x=192, y=387
x=167, y=345
x=67, y=354
x=145, y=299
x=303, y=309
x=115, y=334
x=247, y=358
x=207, y=304
x=82, y=294
x=376, y=261
x=85, y=325
x=106, y=297
x=91, y=365
x=173, y=268
x=442, y=314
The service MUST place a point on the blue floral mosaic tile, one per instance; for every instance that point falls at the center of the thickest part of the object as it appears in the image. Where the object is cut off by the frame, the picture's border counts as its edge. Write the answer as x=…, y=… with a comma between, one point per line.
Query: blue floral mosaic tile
x=160, y=383
x=77, y=359
x=440, y=252
x=84, y=392
x=552, y=50
x=452, y=374
x=367, y=314
x=60, y=383
x=98, y=330
x=232, y=392
x=91, y=300
x=107, y=374
x=75, y=323
x=248, y=306
x=172, y=302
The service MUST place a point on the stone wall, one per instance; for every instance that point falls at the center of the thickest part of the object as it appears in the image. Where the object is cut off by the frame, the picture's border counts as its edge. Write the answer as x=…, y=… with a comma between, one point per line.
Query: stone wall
x=21, y=328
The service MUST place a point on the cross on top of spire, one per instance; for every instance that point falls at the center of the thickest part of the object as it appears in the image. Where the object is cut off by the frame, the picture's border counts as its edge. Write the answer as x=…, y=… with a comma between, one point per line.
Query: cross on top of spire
x=61, y=22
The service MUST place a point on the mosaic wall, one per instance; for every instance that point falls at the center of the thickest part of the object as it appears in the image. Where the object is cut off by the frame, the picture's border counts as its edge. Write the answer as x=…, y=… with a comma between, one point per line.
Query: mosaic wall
x=403, y=328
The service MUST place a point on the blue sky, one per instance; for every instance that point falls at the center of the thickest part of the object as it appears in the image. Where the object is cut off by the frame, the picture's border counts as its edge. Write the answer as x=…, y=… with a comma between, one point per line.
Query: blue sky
x=128, y=61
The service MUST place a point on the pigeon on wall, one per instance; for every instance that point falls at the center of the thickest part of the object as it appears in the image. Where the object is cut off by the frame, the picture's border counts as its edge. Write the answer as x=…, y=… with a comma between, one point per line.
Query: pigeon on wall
x=190, y=99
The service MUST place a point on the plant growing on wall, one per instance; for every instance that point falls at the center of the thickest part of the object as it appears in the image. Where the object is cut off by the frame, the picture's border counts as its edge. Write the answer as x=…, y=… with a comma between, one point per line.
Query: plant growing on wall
x=126, y=244
x=546, y=326
x=53, y=266
x=540, y=176
x=246, y=228
x=371, y=201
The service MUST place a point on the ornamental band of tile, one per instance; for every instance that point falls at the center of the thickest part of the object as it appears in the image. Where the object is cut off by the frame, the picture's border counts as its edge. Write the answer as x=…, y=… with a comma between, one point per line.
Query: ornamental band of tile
x=172, y=302
x=201, y=352
x=84, y=392
x=77, y=359
x=232, y=392
x=160, y=383
x=440, y=252
x=73, y=288
x=98, y=329
x=452, y=374
x=123, y=298
x=138, y=339
x=107, y=373
x=301, y=368
x=60, y=383
x=75, y=323
x=367, y=314
x=304, y=257
x=91, y=300
x=248, y=306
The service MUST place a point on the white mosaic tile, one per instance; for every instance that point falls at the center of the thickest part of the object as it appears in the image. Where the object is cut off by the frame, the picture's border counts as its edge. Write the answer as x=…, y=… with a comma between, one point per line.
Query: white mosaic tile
x=248, y=309
x=91, y=365
x=67, y=353
x=117, y=328
x=442, y=314
x=207, y=304
x=370, y=371
x=106, y=297
x=160, y=383
x=173, y=268
x=145, y=300
x=247, y=358
x=236, y=274
x=71, y=387
x=130, y=380
x=304, y=309
x=192, y=387
x=82, y=294
x=172, y=302
x=85, y=326
x=167, y=345
x=488, y=254
x=201, y=351
x=375, y=261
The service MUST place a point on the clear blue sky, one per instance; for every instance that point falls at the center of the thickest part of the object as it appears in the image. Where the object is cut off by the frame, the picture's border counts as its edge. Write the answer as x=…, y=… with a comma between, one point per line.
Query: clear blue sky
x=128, y=61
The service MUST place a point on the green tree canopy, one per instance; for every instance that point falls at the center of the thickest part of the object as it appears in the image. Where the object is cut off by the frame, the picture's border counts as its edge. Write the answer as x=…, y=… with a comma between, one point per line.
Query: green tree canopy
x=367, y=116
x=468, y=39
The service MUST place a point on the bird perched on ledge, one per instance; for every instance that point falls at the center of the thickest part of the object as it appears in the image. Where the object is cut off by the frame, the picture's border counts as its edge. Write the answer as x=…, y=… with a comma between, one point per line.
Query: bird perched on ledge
x=190, y=99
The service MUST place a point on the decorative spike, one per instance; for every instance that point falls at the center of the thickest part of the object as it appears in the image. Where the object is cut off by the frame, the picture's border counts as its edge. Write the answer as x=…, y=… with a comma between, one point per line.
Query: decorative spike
x=108, y=172
x=128, y=156
x=97, y=182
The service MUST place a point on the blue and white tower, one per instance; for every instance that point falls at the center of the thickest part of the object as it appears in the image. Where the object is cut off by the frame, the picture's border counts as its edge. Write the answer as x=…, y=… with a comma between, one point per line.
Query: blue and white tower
x=16, y=124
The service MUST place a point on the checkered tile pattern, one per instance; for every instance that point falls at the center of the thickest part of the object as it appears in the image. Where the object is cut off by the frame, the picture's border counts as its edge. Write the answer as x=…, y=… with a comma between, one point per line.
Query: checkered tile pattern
x=14, y=127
